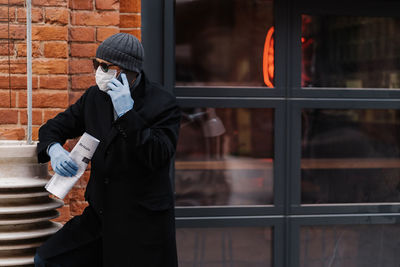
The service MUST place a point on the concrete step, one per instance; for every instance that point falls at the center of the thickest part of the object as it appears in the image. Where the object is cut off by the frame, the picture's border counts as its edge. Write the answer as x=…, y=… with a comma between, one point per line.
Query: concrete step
x=23, y=195
x=21, y=182
x=24, y=218
x=17, y=261
x=29, y=231
x=25, y=206
x=52, y=204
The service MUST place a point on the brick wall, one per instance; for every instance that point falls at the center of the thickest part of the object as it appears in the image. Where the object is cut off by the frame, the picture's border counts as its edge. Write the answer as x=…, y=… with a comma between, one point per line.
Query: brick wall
x=65, y=35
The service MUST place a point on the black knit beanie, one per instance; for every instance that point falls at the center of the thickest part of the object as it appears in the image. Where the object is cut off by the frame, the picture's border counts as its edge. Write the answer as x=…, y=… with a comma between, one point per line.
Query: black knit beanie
x=123, y=50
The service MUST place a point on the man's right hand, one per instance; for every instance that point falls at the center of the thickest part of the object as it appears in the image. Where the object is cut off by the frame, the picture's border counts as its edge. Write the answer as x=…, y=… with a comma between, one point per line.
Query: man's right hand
x=61, y=162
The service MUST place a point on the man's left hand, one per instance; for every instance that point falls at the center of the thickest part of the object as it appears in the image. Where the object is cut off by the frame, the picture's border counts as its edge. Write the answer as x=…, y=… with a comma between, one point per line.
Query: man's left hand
x=120, y=95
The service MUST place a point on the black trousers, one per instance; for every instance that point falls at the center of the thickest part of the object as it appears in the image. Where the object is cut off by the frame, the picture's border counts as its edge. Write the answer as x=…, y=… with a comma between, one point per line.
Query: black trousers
x=77, y=243
x=88, y=255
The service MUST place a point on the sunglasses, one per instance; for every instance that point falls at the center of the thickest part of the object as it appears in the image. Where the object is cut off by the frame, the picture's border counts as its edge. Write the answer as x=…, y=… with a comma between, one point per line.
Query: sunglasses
x=104, y=66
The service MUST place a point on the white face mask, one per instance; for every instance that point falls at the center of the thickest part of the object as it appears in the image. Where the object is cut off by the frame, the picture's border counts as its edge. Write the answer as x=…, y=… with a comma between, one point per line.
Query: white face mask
x=103, y=78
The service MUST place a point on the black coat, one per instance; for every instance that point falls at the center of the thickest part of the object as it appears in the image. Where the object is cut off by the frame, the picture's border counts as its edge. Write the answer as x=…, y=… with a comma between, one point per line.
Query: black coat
x=129, y=188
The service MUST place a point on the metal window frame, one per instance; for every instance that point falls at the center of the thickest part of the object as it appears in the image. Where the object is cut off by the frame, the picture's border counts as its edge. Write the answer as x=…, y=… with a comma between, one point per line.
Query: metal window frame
x=280, y=14
x=297, y=221
x=277, y=224
x=278, y=106
x=287, y=214
x=296, y=107
x=368, y=8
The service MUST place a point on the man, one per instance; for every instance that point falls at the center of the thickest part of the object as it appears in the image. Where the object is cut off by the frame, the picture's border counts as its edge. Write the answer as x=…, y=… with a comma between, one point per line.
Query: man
x=130, y=217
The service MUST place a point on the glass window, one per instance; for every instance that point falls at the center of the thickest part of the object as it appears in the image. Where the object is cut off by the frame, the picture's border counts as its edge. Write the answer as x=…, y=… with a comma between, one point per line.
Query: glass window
x=224, y=43
x=350, y=156
x=350, y=52
x=220, y=247
x=225, y=157
x=349, y=245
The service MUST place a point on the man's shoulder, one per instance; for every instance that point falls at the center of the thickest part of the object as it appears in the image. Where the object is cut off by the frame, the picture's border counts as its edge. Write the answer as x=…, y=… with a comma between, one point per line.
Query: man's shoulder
x=91, y=94
x=90, y=91
x=94, y=89
x=158, y=91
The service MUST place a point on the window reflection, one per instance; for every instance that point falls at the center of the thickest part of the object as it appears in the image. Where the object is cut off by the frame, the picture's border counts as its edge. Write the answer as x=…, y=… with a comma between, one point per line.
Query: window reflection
x=350, y=52
x=225, y=157
x=219, y=247
x=350, y=156
x=349, y=245
x=224, y=43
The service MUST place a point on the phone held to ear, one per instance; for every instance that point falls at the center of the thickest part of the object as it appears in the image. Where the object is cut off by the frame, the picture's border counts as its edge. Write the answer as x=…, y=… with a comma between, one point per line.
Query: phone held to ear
x=130, y=76
x=119, y=78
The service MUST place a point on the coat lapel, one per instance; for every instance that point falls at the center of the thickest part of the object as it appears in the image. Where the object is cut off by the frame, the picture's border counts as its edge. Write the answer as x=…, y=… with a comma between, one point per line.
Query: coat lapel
x=138, y=97
x=138, y=93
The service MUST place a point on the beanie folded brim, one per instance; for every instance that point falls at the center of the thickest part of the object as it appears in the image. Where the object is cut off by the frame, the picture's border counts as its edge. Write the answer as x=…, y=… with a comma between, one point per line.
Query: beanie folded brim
x=123, y=50
x=119, y=58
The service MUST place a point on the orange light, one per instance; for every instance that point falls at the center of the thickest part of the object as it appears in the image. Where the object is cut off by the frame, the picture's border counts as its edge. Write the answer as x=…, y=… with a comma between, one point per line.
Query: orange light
x=268, y=58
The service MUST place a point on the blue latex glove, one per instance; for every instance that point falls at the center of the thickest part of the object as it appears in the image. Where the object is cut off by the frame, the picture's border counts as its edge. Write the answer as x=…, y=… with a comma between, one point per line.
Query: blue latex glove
x=61, y=162
x=120, y=95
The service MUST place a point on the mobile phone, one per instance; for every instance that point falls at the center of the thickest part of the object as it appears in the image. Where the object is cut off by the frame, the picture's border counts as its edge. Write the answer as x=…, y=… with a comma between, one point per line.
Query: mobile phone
x=130, y=76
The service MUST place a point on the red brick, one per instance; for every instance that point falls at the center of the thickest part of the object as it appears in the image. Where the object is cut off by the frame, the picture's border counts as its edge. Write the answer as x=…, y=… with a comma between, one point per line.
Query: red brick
x=17, y=82
x=47, y=33
x=36, y=117
x=12, y=2
x=104, y=33
x=6, y=48
x=50, y=66
x=107, y=4
x=14, y=99
x=5, y=81
x=129, y=6
x=85, y=177
x=83, y=50
x=56, y=49
x=16, y=32
x=81, y=4
x=67, y=199
x=50, y=113
x=70, y=144
x=45, y=99
x=135, y=32
x=59, y=82
x=21, y=49
x=5, y=101
x=77, y=207
x=80, y=66
x=51, y=172
x=12, y=134
x=8, y=116
x=7, y=13
x=17, y=66
x=57, y=15
x=36, y=15
x=74, y=96
x=49, y=3
x=35, y=133
x=82, y=81
x=77, y=193
x=129, y=21
x=106, y=18
x=65, y=214
x=83, y=34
